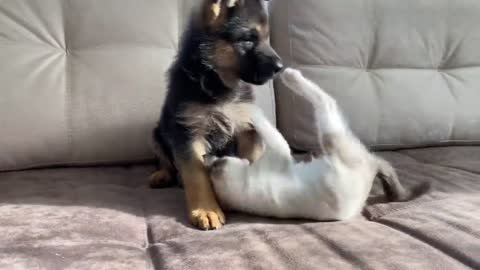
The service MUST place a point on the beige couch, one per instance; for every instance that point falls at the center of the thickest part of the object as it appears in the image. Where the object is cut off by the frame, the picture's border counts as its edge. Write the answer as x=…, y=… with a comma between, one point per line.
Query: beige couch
x=81, y=86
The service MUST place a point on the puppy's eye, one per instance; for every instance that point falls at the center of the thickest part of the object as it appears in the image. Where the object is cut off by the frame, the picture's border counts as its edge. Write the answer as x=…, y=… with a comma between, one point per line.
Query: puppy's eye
x=250, y=36
x=248, y=45
x=243, y=47
x=253, y=36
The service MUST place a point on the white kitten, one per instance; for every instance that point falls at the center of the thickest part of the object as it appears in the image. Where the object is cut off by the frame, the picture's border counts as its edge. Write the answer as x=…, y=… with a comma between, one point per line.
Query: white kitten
x=334, y=186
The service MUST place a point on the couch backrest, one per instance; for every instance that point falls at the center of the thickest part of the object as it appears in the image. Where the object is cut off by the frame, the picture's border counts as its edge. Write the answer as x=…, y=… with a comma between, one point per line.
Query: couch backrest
x=406, y=73
x=82, y=82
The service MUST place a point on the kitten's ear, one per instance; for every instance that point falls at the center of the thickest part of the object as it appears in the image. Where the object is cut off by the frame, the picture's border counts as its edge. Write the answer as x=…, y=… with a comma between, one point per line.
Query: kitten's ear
x=215, y=12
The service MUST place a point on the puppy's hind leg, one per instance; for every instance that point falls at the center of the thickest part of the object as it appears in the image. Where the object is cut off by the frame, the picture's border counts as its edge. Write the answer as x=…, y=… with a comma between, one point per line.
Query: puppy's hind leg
x=165, y=173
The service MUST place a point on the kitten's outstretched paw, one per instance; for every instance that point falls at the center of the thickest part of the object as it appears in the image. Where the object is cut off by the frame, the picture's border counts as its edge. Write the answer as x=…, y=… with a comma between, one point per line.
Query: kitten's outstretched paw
x=292, y=78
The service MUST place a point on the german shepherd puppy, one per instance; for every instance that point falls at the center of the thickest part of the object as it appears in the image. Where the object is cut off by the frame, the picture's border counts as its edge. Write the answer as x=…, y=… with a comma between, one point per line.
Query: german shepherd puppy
x=207, y=109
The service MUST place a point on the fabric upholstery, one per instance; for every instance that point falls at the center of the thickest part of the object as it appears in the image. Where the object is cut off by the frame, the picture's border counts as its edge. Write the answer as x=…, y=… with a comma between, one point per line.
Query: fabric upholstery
x=406, y=73
x=83, y=81
x=108, y=218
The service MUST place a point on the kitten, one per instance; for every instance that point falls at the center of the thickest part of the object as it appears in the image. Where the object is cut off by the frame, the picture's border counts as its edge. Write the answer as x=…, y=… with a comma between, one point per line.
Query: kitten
x=333, y=186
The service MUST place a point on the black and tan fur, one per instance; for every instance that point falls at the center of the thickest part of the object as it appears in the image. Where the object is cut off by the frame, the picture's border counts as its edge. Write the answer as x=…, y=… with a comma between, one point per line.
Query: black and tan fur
x=206, y=112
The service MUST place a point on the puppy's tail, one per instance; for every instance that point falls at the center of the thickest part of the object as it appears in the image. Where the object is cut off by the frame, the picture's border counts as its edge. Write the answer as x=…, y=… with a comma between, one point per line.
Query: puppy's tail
x=392, y=187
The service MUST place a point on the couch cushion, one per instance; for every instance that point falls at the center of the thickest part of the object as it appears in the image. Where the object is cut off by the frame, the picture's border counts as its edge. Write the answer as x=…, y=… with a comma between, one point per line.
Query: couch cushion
x=83, y=81
x=107, y=218
x=406, y=73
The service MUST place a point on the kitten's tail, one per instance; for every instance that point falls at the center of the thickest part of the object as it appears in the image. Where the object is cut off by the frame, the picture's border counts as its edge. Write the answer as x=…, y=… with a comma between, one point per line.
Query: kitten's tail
x=392, y=187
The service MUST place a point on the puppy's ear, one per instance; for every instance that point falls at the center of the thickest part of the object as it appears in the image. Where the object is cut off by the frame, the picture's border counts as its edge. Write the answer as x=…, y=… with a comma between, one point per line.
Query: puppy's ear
x=233, y=3
x=215, y=12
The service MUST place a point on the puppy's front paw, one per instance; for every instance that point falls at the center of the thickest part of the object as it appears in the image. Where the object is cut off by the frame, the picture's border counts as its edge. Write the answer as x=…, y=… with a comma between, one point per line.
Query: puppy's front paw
x=207, y=219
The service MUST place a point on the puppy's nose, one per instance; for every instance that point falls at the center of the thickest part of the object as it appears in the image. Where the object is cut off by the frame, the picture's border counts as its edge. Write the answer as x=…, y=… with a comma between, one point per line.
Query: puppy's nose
x=277, y=65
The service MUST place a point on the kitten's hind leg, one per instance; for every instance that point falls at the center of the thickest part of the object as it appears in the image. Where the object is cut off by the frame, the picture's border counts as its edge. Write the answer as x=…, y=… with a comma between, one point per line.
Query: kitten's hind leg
x=334, y=134
x=328, y=116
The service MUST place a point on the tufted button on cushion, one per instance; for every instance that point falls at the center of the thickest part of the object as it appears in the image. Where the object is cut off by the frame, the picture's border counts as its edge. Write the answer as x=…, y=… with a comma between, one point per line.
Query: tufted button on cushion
x=406, y=73
x=82, y=82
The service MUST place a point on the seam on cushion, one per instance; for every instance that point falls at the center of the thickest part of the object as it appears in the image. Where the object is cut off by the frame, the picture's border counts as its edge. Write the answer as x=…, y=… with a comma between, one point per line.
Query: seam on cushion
x=371, y=55
x=455, y=98
x=272, y=102
x=82, y=243
x=16, y=20
x=441, y=247
x=180, y=15
x=392, y=147
x=381, y=214
x=335, y=247
x=277, y=250
x=374, y=217
x=390, y=68
x=145, y=227
x=110, y=47
x=146, y=232
x=377, y=92
x=271, y=87
x=383, y=147
x=33, y=44
x=459, y=171
x=106, y=162
x=373, y=40
x=436, y=165
x=447, y=58
x=68, y=88
x=158, y=244
x=290, y=54
x=68, y=103
x=432, y=144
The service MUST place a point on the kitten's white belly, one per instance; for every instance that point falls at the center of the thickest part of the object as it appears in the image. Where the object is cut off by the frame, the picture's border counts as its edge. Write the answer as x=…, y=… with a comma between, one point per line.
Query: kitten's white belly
x=310, y=190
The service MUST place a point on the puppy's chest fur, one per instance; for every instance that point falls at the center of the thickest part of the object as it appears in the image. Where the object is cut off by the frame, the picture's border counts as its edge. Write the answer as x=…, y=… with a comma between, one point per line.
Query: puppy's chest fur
x=216, y=124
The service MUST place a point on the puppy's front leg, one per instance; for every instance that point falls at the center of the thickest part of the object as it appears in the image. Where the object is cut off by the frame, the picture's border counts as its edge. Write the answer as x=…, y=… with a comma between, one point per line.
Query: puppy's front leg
x=203, y=209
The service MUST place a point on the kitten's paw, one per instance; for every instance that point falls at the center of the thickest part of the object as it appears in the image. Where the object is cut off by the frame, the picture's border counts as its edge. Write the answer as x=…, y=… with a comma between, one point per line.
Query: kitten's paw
x=217, y=169
x=209, y=160
x=292, y=78
x=308, y=156
x=216, y=166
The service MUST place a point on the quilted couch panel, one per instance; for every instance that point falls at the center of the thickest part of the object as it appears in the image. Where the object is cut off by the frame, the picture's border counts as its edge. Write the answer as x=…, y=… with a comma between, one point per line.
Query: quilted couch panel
x=108, y=218
x=406, y=73
x=82, y=82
